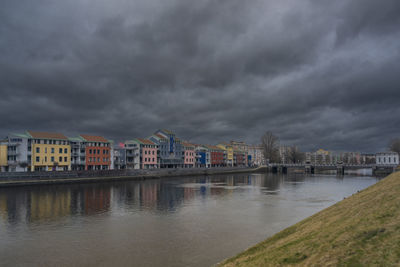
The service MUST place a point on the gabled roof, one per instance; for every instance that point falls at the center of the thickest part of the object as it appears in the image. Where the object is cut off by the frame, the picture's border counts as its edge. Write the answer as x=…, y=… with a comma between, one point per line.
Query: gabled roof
x=145, y=141
x=160, y=136
x=94, y=138
x=186, y=144
x=23, y=135
x=46, y=135
x=167, y=131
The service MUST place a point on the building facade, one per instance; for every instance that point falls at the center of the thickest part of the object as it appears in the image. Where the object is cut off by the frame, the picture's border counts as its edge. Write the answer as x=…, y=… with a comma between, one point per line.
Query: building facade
x=132, y=155
x=203, y=157
x=217, y=156
x=257, y=156
x=49, y=152
x=98, y=151
x=148, y=153
x=189, y=155
x=3, y=156
x=119, y=154
x=228, y=149
x=387, y=159
x=171, y=150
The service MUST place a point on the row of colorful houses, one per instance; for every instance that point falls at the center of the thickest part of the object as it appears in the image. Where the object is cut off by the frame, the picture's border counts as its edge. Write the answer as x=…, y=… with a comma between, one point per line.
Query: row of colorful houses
x=163, y=149
x=43, y=151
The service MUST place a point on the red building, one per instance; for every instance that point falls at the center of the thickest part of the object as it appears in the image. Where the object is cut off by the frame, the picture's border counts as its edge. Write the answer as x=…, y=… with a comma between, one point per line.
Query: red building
x=97, y=152
x=239, y=158
x=217, y=156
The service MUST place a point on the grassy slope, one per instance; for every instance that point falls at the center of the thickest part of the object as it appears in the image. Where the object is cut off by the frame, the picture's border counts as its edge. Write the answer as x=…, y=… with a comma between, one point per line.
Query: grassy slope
x=362, y=230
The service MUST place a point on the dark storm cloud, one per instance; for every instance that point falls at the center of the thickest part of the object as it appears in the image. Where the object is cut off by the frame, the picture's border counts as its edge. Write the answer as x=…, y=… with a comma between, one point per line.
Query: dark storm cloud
x=316, y=73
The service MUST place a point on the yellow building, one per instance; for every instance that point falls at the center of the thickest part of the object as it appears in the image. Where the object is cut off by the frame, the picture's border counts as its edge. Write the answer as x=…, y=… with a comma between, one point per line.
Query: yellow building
x=322, y=152
x=228, y=152
x=50, y=151
x=3, y=156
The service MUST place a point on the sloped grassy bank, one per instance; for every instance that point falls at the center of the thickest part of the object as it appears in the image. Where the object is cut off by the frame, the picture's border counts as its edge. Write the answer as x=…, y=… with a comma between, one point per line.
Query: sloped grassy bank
x=362, y=230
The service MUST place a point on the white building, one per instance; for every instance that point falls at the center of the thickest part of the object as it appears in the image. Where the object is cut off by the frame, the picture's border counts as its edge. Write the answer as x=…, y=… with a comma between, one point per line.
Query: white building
x=387, y=158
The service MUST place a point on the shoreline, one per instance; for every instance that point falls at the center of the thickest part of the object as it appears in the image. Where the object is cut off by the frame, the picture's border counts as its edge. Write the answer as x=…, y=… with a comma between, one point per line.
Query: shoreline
x=355, y=231
x=27, y=179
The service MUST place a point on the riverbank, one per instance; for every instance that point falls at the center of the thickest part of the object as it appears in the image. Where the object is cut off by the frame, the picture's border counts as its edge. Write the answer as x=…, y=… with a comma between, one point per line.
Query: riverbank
x=35, y=178
x=362, y=230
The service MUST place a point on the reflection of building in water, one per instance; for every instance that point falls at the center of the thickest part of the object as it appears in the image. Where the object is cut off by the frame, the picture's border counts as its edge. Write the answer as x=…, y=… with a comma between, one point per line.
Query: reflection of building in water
x=188, y=193
x=97, y=199
x=170, y=196
x=3, y=207
x=148, y=195
x=49, y=205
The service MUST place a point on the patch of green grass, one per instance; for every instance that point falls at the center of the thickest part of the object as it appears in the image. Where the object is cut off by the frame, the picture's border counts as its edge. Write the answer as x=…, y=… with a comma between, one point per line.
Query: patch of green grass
x=362, y=230
x=296, y=258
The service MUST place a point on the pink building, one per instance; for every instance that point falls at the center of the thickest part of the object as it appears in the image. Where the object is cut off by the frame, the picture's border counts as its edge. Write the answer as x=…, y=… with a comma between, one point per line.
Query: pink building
x=148, y=153
x=189, y=155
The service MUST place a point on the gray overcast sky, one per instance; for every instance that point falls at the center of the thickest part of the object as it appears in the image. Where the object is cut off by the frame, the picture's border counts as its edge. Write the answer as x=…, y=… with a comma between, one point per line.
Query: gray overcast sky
x=317, y=73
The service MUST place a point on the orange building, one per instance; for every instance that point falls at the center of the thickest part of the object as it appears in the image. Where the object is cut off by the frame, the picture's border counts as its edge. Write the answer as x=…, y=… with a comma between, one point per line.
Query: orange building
x=97, y=152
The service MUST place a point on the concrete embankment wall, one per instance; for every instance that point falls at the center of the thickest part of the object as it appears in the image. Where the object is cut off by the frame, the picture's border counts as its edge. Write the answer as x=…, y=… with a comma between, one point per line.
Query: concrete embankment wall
x=30, y=178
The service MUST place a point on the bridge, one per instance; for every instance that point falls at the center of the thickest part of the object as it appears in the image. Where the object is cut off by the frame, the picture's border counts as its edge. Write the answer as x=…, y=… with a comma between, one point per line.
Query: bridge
x=339, y=168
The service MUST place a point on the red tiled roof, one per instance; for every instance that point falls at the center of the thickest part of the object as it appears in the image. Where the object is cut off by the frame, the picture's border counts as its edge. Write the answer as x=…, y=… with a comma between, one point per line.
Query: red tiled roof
x=45, y=135
x=94, y=138
x=188, y=144
x=145, y=141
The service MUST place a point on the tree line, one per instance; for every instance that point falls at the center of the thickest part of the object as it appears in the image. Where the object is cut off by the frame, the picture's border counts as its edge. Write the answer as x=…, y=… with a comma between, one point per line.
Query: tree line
x=270, y=144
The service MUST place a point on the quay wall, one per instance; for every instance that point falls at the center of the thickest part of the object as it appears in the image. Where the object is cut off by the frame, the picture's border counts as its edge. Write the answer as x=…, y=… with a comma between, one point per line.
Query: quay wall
x=31, y=178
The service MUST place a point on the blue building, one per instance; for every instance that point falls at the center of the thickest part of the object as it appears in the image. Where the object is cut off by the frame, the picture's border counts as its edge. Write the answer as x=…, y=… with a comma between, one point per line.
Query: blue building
x=171, y=150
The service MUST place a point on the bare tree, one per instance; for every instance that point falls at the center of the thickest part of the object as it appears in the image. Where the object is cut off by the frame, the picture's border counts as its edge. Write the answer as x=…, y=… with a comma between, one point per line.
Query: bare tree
x=295, y=155
x=270, y=145
x=395, y=145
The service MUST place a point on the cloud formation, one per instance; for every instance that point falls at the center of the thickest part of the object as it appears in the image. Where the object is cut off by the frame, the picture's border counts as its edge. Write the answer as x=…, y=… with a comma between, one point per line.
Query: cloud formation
x=316, y=73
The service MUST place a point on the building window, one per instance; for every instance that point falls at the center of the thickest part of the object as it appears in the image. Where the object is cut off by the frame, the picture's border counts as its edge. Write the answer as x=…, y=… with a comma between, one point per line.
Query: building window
x=90, y=151
x=45, y=150
x=98, y=151
x=60, y=150
x=45, y=159
x=65, y=150
x=37, y=159
x=65, y=159
x=52, y=150
x=38, y=150
x=52, y=159
x=60, y=159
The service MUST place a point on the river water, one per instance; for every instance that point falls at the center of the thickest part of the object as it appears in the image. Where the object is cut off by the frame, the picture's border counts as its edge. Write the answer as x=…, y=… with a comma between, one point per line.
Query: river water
x=193, y=221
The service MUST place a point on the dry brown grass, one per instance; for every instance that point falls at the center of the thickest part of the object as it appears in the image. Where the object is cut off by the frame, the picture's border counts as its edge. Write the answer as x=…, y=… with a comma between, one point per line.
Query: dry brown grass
x=362, y=230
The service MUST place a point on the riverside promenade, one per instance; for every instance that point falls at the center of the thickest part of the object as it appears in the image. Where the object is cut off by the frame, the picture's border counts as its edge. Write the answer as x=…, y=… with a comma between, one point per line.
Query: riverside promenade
x=56, y=177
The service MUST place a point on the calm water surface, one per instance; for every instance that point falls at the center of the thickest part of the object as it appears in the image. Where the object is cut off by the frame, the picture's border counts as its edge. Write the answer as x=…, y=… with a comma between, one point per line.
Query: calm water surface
x=168, y=222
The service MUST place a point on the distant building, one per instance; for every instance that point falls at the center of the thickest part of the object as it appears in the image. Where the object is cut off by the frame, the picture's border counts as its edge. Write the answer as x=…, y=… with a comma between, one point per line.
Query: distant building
x=239, y=158
x=387, y=158
x=368, y=159
x=3, y=155
x=242, y=147
x=170, y=147
x=148, y=153
x=189, y=155
x=203, y=157
x=119, y=154
x=256, y=153
x=217, y=156
x=49, y=151
x=228, y=150
x=132, y=155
